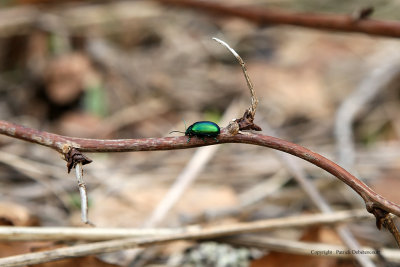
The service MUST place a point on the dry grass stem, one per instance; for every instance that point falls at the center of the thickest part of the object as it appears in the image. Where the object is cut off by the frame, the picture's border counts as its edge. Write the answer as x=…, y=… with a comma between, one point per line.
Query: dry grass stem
x=254, y=100
x=82, y=193
x=212, y=232
x=73, y=233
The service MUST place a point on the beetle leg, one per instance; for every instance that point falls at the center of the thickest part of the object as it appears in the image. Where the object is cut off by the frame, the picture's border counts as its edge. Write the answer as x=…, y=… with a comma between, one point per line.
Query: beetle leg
x=188, y=139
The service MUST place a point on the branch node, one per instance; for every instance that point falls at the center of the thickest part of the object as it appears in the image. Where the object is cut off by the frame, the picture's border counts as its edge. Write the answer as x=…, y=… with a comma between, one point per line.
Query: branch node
x=379, y=213
x=246, y=122
x=73, y=157
x=389, y=224
x=385, y=219
x=362, y=13
x=66, y=148
x=233, y=127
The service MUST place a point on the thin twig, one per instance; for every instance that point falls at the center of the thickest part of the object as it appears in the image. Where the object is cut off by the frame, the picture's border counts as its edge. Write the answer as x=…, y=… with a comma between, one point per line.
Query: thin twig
x=14, y=20
x=246, y=121
x=116, y=245
x=388, y=222
x=82, y=192
x=266, y=16
x=13, y=233
x=254, y=100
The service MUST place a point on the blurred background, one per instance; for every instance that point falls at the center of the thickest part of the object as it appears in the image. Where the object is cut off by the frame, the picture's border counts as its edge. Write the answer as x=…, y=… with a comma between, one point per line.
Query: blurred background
x=135, y=69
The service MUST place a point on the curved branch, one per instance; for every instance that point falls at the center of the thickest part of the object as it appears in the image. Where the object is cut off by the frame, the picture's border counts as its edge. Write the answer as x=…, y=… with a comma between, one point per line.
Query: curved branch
x=264, y=16
x=63, y=144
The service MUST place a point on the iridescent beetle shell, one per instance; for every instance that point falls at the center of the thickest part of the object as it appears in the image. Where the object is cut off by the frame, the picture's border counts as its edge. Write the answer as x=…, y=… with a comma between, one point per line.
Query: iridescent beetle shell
x=203, y=129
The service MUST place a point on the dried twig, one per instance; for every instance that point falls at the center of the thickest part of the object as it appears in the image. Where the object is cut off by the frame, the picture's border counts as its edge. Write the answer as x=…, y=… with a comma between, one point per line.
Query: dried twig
x=75, y=159
x=264, y=16
x=254, y=100
x=14, y=233
x=115, y=245
x=246, y=122
x=83, y=193
x=14, y=20
x=389, y=224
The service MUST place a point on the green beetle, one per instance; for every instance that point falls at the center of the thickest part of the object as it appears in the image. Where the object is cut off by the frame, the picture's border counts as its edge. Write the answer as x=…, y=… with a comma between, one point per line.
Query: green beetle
x=202, y=129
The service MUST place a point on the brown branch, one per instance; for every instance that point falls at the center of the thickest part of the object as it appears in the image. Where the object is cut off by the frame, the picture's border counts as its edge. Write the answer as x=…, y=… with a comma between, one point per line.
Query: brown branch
x=64, y=144
x=263, y=16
